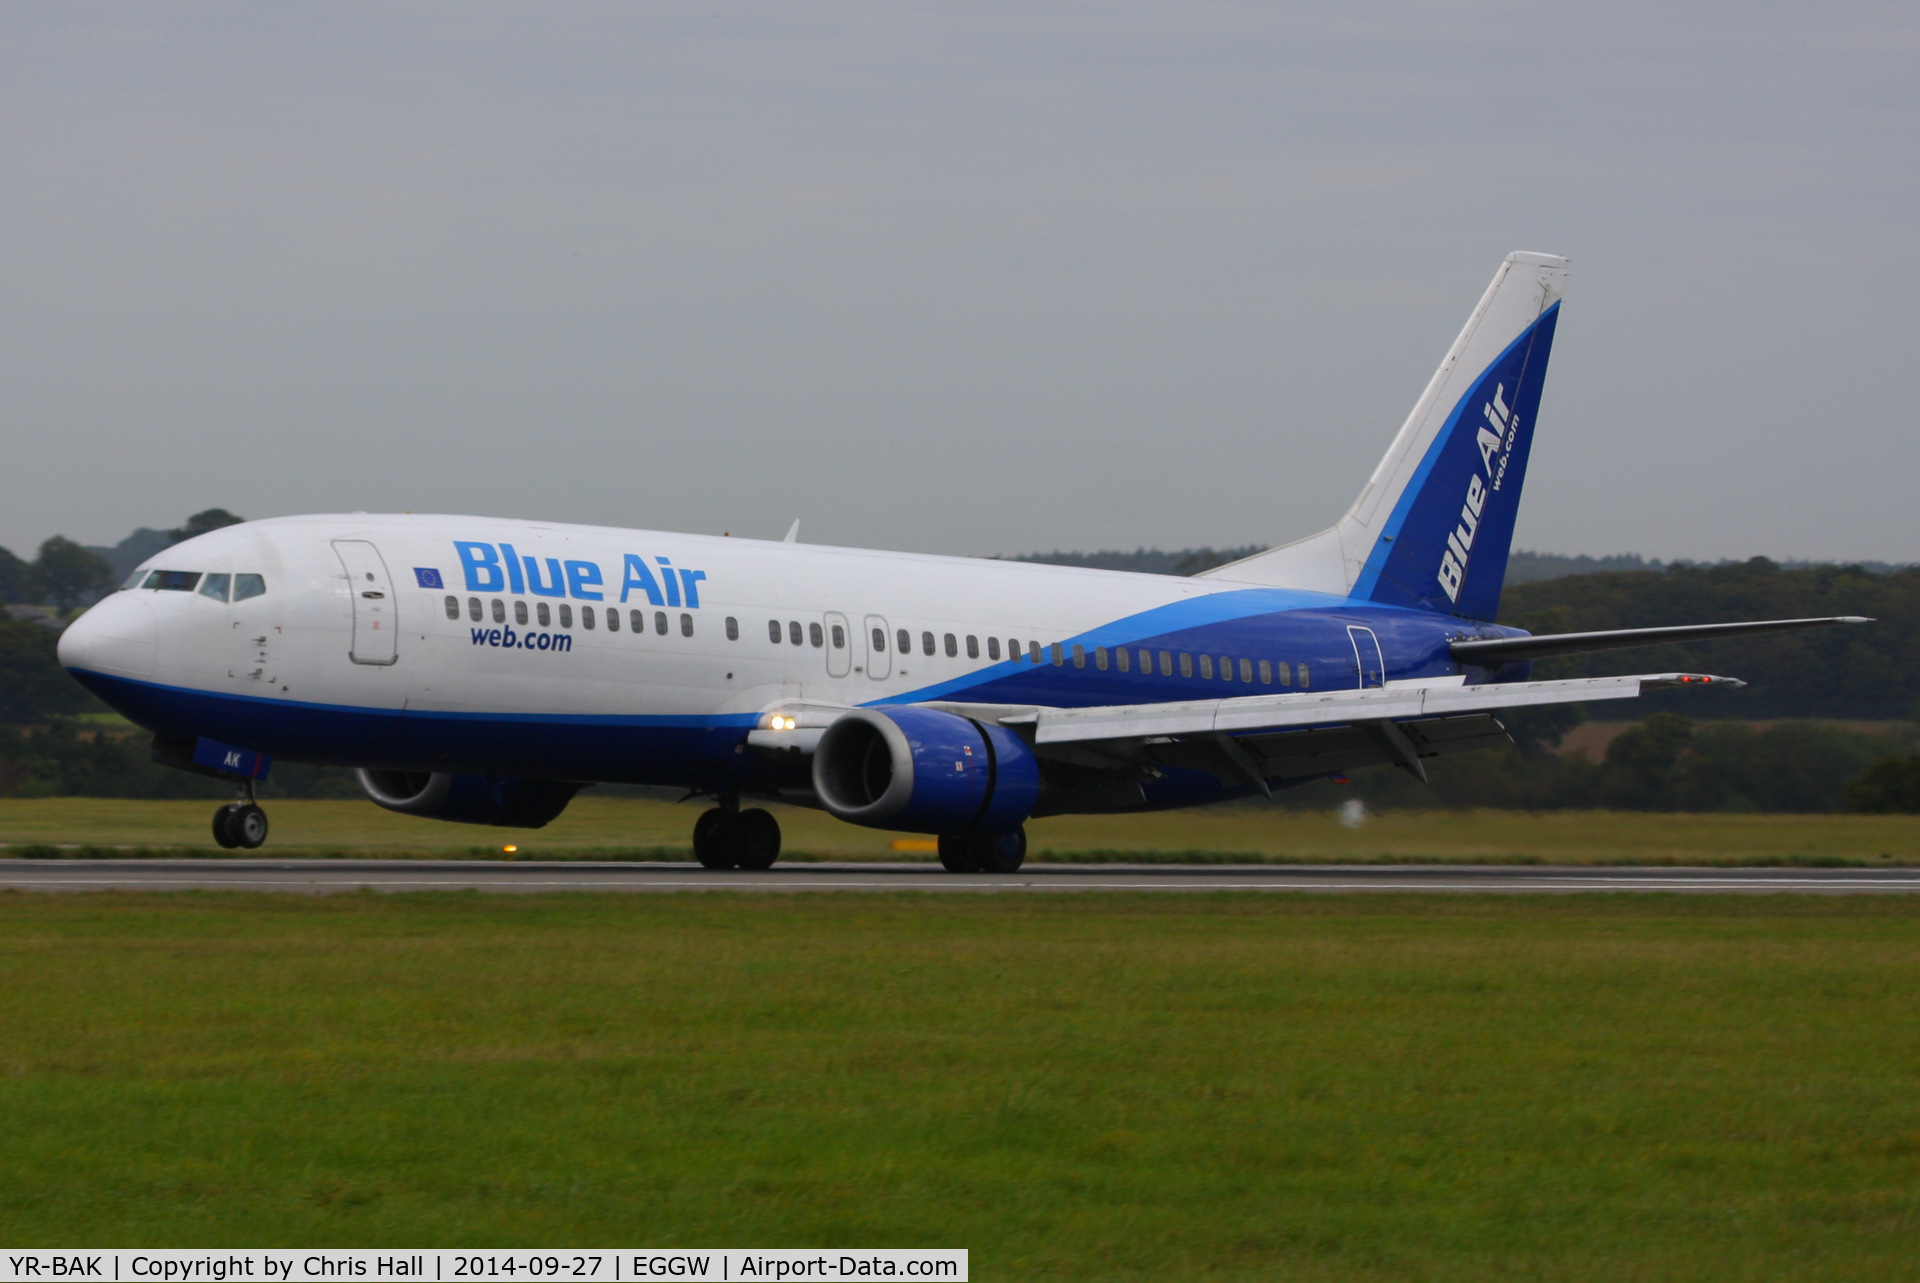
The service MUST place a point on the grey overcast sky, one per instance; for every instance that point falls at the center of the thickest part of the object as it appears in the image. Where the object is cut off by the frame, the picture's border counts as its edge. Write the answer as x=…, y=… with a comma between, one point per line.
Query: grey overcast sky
x=966, y=278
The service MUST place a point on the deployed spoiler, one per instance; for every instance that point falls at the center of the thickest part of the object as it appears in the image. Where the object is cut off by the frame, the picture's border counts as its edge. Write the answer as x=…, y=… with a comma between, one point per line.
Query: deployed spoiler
x=1493, y=651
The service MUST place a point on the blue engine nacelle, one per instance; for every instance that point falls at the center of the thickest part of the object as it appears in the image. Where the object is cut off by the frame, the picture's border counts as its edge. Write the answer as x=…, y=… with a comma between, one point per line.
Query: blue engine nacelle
x=924, y=771
x=469, y=799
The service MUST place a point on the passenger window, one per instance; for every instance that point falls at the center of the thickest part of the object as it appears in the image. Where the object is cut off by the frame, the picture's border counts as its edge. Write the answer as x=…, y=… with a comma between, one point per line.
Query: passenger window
x=1146, y=663
x=473, y=610
x=1246, y=671
x=839, y=637
x=1303, y=677
x=566, y=615
x=1033, y=651
x=637, y=621
x=1124, y=659
x=245, y=586
x=519, y=612
x=586, y=616
x=1266, y=673
x=793, y=632
x=545, y=616
x=993, y=648
x=173, y=580
x=733, y=629
x=1186, y=664
x=973, y=646
x=1079, y=657
x=613, y=620
x=879, y=641
x=1059, y=655
x=660, y=622
x=499, y=611
x=773, y=631
x=1100, y=658
x=215, y=587
x=926, y=642
x=904, y=640
x=814, y=635
x=1286, y=673
x=1166, y=664
x=1226, y=669
x=1206, y=667
x=1013, y=649
x=686, y=624
x=953, y=647
x=453, y=608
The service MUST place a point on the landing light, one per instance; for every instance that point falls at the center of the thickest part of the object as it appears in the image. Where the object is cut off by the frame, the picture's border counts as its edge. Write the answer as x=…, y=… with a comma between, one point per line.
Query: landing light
x=509, y=849
x=782, y=723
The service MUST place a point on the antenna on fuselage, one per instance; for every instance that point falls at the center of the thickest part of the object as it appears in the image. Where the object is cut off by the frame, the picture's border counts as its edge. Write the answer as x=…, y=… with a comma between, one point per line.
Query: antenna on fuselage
x=793, y=532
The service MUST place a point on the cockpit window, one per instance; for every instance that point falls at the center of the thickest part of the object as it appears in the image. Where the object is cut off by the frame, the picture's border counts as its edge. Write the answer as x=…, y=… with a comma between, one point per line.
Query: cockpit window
x=173, y=580
x=245, y=586
x=134, y=580
x=216, y=587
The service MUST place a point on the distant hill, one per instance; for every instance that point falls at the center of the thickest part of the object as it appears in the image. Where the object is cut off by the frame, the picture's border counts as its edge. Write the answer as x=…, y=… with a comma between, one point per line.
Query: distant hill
x=1870, y=671
x=133, y=550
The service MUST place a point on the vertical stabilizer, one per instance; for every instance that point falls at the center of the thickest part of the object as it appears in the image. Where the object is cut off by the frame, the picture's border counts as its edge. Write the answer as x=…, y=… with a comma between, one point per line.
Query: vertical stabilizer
x=1433, y=526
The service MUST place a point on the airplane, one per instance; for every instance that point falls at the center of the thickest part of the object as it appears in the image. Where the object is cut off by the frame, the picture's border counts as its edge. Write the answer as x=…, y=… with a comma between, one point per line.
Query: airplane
x=484, y=670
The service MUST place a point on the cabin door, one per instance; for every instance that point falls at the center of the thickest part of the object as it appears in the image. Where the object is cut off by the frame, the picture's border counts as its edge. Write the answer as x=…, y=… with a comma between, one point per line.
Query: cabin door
x=1366, y=656
x=376, y=633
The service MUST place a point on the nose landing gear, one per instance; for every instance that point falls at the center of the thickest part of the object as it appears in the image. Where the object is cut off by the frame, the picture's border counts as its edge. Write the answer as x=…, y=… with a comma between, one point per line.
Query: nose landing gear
x=241, y=823
x=729, y=838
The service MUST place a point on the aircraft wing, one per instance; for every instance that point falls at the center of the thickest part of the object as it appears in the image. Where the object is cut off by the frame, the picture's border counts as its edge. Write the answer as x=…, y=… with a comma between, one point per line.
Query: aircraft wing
x=1263, y=737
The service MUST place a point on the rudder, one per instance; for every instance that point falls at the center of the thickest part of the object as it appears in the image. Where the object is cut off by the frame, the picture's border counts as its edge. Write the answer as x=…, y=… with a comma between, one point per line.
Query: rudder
x=1434, y=524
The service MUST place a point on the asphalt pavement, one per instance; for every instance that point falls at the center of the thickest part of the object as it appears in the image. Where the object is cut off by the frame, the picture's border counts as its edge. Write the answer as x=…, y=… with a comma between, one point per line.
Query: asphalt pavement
x=321, y=876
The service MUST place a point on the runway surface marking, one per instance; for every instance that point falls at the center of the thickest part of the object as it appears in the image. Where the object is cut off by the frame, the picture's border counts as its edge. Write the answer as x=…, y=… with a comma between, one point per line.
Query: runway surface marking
x=322, y=876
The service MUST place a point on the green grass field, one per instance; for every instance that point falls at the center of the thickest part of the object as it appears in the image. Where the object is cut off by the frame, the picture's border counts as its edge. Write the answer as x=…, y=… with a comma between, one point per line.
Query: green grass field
x=1092, y=1086
x=612, y=827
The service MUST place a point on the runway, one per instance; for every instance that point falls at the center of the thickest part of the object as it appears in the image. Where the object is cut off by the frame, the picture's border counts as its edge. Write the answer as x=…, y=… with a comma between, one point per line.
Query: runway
x=323, y=876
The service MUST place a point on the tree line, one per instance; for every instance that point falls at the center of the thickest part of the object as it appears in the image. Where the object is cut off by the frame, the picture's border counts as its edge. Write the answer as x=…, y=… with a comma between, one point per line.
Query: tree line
x=1692, y=750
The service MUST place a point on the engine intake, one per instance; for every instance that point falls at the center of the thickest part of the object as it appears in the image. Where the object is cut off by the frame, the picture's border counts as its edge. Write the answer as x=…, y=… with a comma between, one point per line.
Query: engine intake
x=921, y=770
x=469, y=799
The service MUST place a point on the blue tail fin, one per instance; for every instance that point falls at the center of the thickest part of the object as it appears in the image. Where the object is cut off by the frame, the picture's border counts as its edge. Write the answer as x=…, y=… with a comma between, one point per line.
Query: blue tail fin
x=1433, y=526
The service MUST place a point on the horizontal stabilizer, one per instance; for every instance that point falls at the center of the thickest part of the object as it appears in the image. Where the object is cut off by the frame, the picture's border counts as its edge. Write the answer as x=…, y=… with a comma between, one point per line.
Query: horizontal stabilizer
x=1511, y=650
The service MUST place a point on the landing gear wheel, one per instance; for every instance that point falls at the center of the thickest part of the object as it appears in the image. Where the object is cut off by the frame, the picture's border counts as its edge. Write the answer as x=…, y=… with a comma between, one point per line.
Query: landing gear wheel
x=957, y=854
x=248, y=827
x=1001, y=852
x=756, y=839
x=715, y=840
x=223, y=827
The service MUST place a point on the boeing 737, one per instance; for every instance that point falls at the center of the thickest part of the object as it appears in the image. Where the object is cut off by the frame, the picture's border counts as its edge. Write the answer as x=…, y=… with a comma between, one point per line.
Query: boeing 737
x=484, y=671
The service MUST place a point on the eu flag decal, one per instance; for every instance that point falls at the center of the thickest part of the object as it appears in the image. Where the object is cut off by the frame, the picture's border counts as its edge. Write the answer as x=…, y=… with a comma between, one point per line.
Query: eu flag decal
x=428, y=578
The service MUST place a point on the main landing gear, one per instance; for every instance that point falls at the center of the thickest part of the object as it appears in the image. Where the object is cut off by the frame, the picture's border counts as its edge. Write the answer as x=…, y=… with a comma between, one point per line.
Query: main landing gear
x=241, y=822
x=983, y=852
x=729, y=838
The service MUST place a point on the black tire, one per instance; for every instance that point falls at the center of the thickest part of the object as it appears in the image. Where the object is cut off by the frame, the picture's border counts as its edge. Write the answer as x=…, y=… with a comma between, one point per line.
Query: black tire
x=957, y=854
x=1001, y=852
x=756, y=839
x=248, y=827
x=223, y=828
x=715, y=843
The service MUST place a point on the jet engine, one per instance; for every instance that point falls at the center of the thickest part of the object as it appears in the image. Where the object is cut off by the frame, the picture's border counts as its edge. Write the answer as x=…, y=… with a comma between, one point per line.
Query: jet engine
x=469, y=799
x=921, y=770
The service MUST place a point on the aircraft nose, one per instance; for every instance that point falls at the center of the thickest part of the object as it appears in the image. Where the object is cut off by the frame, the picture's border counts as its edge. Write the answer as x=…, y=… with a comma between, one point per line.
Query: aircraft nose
x=118, y=636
